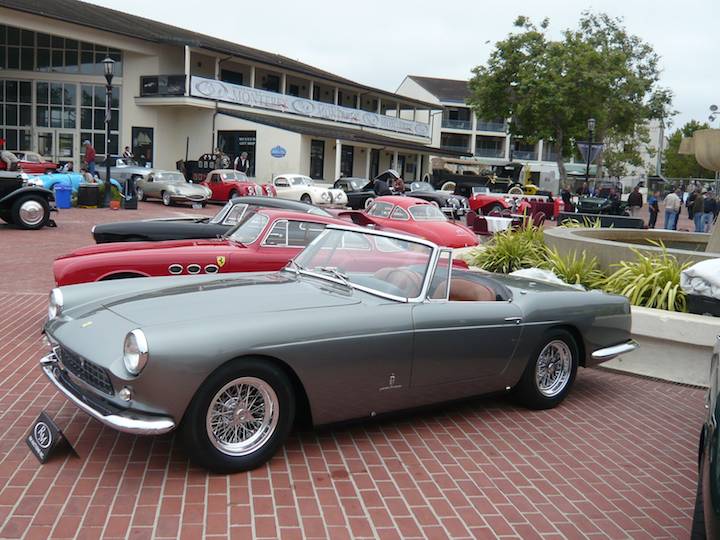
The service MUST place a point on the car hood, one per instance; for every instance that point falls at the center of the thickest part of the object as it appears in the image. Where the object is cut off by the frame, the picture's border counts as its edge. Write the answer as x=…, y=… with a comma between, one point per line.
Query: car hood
x=239, y=296
x=448, y=234
x=128, y=247
x=188, y=189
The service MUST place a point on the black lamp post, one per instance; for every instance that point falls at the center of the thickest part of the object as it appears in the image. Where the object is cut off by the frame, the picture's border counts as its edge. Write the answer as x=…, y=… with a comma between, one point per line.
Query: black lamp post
x=109, y=66
x=591, y=129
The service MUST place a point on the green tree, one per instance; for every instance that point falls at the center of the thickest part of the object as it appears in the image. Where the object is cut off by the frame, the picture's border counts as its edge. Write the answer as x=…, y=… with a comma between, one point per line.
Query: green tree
x=625, y=151
x=681, y=166
x=549, y=88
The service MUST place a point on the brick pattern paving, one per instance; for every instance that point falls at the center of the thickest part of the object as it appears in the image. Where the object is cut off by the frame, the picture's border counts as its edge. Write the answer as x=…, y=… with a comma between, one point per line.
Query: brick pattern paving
x=615, y=460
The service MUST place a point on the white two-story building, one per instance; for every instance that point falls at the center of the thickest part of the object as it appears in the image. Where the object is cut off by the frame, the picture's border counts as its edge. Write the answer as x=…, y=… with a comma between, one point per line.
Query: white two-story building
x=177, y=94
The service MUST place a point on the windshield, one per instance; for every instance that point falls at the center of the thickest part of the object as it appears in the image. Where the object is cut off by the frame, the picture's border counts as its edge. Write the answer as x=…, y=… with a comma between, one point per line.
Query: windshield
x=126, y=162
x=249, y=231
x=357, y=185
x=217, y=218
x=234, y=175
x=300, y=181
x=378, y=264
x=170, y=177
x=421, y=186
x=426, y=212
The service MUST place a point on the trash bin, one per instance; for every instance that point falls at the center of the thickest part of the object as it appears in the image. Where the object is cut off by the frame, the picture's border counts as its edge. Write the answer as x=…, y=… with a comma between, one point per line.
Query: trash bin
x=63, y=196
x=129, y=200
x=88, y=196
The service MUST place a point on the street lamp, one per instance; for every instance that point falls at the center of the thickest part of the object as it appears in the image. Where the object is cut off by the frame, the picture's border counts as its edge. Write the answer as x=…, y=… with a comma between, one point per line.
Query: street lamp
x=591, y=129
x=714, y=113
x=109, y=68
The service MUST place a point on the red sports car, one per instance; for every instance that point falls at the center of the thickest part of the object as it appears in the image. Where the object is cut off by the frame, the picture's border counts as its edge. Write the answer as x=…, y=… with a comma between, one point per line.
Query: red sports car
x=227, y=184
x=488, y=202
x=32, y=163
x=410, y=215
x=266, y=241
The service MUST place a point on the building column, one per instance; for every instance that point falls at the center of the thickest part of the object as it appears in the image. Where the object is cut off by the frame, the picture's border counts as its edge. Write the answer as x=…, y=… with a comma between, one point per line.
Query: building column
x=337, y=91
x=379, y=107
x=338, y=157
x=283, y=83
x=473, y=142
x=418, y=165
x=368, y=155
x=252, y=76
x=187, y=70
x=311, y=88
x=540, y=145
x=217, y=68
x=395, y=160
x=508, y=142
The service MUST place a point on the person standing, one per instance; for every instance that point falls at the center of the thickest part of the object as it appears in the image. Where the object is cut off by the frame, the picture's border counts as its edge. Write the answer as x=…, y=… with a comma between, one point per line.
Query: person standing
x=127, y=154
x=635, y=201
x=673, y=203
x=89, y=157
x=654, y=209
x=710, y=210
x=242, y=164
x=698, y=210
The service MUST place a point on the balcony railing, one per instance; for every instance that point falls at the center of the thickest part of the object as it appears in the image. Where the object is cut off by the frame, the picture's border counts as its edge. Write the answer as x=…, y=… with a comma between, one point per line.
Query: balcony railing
x=456, y=124
x=455, y=147
x=483, y=125
x=549, y=156
x=525, y=154
x=490, y=152
x=162, y=85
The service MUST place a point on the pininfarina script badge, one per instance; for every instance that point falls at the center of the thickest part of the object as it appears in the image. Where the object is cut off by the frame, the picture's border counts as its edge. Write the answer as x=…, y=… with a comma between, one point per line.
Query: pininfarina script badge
x=391, y=384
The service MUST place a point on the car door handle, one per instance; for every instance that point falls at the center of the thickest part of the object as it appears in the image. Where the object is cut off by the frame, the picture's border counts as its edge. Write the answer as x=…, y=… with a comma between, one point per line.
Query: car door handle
x=516, y=320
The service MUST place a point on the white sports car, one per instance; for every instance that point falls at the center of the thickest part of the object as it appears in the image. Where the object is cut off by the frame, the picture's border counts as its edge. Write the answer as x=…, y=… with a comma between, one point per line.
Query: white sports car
x=298, y=187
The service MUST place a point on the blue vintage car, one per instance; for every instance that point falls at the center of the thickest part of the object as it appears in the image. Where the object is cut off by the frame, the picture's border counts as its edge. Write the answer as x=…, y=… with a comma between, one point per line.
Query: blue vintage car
x=49, y=181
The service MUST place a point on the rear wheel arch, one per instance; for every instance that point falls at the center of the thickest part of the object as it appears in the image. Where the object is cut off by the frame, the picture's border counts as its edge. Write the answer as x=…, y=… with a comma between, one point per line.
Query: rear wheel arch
x=579, y=341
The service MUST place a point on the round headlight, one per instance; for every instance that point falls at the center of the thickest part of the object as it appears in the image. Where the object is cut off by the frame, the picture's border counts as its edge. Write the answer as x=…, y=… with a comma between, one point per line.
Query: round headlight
x=325, y=196
x=55, y=304
x=135, y=351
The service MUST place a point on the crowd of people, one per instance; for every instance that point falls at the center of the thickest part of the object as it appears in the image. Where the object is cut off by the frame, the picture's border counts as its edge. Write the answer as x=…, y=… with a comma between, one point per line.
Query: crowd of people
x=702, y=207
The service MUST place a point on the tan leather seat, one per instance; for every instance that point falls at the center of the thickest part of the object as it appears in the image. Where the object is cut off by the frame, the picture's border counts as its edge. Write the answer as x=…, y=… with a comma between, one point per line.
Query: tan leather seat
x=465, y=290
x=406, y=280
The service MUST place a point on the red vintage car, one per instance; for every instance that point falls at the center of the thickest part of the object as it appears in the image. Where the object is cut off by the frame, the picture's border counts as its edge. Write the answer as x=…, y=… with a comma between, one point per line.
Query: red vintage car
x=227, y=184
x=266, y=241
x=32, y=163
x=486, y=202
x=410, y=215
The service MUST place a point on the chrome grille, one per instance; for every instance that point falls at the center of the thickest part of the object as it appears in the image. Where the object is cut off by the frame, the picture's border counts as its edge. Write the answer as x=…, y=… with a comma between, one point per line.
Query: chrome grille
x=85, y=370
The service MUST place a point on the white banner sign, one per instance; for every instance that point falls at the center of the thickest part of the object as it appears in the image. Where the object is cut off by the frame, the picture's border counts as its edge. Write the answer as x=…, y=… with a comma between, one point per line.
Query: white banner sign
x=244, y=95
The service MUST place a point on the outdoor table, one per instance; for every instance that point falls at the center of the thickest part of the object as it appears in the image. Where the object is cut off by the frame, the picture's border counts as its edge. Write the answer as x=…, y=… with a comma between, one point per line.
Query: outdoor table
x=498, y=224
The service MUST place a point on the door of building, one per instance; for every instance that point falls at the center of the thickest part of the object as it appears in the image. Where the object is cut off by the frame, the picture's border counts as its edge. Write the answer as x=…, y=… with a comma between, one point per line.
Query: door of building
x=317, y=159
x=59, y=146
x=347, y=158
x=142, y=145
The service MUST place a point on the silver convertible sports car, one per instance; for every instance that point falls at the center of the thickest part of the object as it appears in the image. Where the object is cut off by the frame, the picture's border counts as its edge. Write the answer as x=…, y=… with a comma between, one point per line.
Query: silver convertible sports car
x=361, y=323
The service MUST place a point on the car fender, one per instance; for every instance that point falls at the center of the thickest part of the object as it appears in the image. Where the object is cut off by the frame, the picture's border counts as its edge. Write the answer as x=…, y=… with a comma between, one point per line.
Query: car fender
x=28, y=190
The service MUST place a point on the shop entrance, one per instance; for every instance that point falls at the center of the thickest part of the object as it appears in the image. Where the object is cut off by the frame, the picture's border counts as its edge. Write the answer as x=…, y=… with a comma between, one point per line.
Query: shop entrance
x=58, y=146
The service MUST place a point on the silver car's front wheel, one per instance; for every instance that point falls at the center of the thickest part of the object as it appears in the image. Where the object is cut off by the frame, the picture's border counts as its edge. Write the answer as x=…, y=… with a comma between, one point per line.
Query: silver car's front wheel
x=242, y=416
x=239, y=416
x=166, y=200
x=550, y=372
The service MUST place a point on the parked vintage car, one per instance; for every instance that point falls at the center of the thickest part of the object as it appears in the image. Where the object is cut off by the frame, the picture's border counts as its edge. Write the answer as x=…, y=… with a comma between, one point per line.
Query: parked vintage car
x=602, y=205
x=298, y=187
x=71, y=180
x=413, y=216
x=483, y=201
x=361, y=323
x=706, y=518
x=267, y=240
x=226, y=184
x=190, y=227
x=24, y=202
x=31, y=163
x=359, y=191
x=123, y=168
x=451, y=204
x=171, y=187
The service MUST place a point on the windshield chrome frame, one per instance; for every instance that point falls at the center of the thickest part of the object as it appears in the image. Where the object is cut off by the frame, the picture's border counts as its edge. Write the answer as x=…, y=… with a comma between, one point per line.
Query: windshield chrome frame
x=429, y=272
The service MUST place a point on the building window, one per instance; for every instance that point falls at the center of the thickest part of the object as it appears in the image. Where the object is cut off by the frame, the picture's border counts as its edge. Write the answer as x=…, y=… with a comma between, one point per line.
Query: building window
x=56, y=105
x=16, y=114
x=293, y=90
x=347, y=156
x=33, y=51
x=92, y=117
x=232, y=77
x=492, y=147
x=374, y=162
x=234, y=143
x=142, y=145
x=317, y=159
x=271, y=83
x=453, y=141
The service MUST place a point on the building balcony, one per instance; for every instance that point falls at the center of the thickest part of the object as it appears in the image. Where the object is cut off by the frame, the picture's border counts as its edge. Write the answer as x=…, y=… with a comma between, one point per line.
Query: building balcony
x=455, y=147
x=456, y=124
x=483, y=125
x=529, y=155
x=550, y=156
x=162, y=85
x=490, y=152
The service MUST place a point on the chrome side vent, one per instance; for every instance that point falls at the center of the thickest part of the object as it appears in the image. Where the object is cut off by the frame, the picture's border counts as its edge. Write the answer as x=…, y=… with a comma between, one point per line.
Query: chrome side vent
x=211, y=269
x=193, y=268
x=175, y=269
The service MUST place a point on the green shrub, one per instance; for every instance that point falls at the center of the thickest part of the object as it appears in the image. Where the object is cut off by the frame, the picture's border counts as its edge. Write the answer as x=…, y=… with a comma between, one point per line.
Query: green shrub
x=575, y=269
x=512, y=250
x=585, y=223
x=651, y=281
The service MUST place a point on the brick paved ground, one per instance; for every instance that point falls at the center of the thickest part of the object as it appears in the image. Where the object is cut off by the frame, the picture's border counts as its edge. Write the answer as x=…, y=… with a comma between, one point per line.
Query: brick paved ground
x=615, y=460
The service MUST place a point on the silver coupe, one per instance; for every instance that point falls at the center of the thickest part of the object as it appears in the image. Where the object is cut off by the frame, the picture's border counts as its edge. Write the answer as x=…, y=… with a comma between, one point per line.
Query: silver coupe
x=361, y=323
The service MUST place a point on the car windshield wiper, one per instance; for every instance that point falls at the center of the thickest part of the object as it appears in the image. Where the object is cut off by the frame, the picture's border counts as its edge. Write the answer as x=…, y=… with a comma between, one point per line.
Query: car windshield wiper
x=335, y=272
x=294, y=266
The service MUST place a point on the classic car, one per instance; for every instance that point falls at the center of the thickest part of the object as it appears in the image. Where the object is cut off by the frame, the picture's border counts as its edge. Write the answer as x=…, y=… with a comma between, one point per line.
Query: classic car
x=31, y=163
x=226, y=184
x=483, y=201
x=450, y=204
x=267, y=240
x=189, y=227
x=359, y=191
x=123, y=168
x=72, y=180
x=24, y=202
x=706, y=518
x=413, y=216
x=360, y=324
x=602, y=205
x=171, y=187
x=298, y=187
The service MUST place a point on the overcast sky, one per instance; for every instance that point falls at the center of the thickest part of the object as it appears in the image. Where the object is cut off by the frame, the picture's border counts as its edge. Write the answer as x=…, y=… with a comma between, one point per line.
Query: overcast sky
x=379, y=42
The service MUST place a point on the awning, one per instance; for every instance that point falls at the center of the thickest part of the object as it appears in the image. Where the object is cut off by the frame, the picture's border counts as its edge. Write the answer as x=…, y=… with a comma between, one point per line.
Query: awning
x=337, y=132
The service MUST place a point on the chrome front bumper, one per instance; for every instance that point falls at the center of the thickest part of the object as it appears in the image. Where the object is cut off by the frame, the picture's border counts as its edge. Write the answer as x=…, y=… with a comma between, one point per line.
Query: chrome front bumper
x=602, y=355
x=127, y=421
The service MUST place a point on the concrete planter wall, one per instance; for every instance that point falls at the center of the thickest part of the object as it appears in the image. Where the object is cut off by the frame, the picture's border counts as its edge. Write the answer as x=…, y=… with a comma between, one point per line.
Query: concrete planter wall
x=673, y=346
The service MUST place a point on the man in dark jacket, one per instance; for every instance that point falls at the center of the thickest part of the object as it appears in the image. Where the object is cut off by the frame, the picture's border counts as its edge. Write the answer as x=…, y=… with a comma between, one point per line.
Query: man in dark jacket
x=654, y=209
x=635, y=201
x=710, y=209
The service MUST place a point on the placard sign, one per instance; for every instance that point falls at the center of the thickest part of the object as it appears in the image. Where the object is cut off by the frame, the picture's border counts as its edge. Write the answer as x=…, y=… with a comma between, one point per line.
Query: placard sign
x=278, y=152
x=253, y=97
x=45, y=437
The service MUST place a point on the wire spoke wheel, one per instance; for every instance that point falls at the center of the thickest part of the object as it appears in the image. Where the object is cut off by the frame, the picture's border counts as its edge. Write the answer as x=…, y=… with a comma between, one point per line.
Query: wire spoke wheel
x=553, y=368
x=242, y=416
